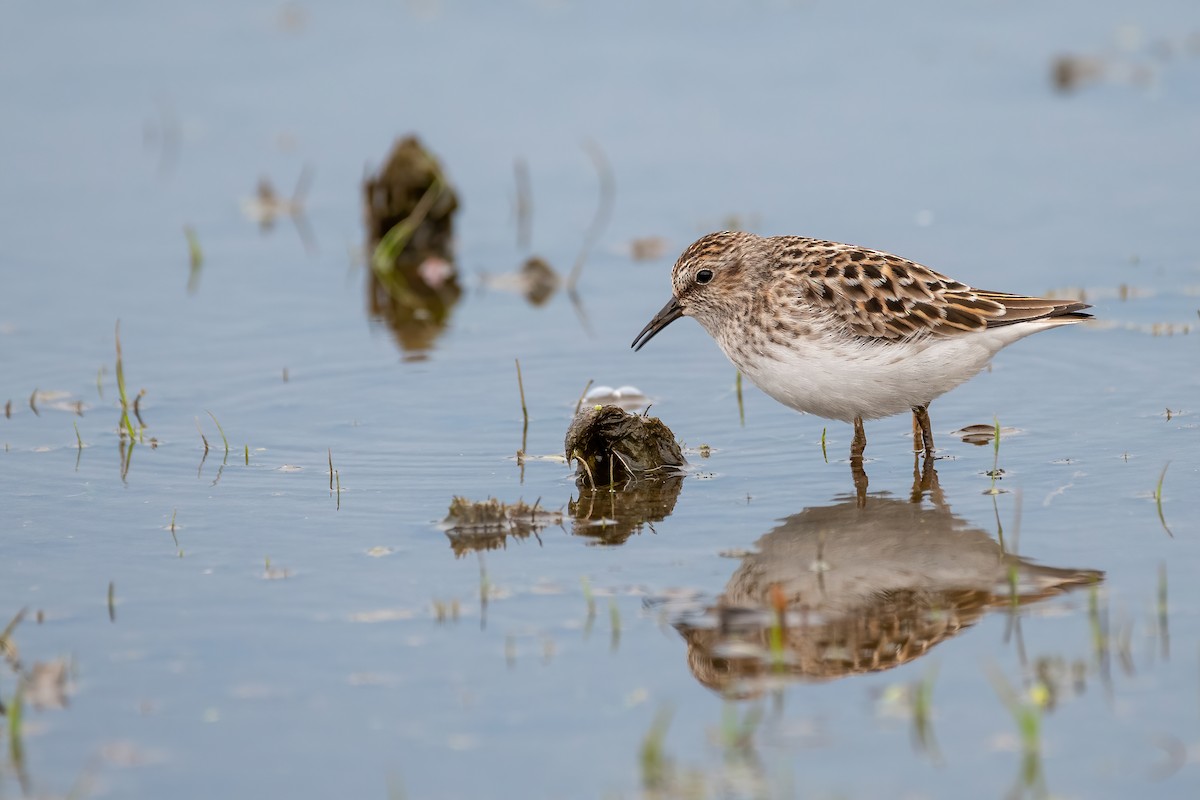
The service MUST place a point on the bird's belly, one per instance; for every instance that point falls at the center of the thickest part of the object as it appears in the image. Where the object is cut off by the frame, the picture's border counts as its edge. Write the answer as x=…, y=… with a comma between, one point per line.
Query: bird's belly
x=844, y=380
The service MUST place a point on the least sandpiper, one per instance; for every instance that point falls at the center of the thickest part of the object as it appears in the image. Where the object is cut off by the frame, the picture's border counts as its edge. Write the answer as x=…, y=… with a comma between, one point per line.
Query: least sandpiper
x=845, y=332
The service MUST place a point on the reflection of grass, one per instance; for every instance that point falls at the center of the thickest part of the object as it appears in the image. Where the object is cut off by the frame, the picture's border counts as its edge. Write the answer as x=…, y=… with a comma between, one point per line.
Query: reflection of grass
x=16, y=709
x=995, y=473
x=1099, y=632
x=195, y=257
x=590, y=599
x=1027, y=712
x=614, y=621
x=737, y=733
x=741, y=406
x=175, y=538
x=78, y=445
x=656, y=767
x=923, y=714
x=1164, y=636
x=203, y=438
x=776, y=633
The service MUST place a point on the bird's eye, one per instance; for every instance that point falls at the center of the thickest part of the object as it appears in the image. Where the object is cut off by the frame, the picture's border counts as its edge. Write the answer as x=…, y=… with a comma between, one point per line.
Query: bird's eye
x=704, y=276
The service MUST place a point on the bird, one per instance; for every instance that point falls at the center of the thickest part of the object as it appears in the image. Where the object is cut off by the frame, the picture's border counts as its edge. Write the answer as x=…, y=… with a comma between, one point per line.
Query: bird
x=846, y=332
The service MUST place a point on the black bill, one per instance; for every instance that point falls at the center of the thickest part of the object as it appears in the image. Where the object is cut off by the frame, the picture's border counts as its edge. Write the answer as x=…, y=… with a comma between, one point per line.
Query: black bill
x=669, y=313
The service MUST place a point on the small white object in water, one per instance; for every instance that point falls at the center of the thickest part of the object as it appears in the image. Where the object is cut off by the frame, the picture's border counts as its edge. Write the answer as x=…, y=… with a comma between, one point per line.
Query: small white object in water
x=628, y=398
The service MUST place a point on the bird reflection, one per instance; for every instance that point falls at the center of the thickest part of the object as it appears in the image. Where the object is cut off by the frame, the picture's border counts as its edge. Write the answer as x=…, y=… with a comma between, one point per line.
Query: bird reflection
x=864, y=584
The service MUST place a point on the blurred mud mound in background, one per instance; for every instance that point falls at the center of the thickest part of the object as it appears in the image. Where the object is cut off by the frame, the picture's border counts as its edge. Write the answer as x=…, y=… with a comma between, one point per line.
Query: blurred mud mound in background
x=410, y=208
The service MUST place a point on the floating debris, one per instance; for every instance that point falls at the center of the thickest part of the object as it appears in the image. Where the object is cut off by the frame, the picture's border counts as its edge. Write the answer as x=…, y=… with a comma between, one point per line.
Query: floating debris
x=611, y=446
x=382, y=615
x=267, y=205
x=1070, y=73
x=646, y=248
x=47, y=684
x=410, y=228
x=1138, y=61
x=627, y=398
x=536, y=281
x=486, y=525
x=982, y=434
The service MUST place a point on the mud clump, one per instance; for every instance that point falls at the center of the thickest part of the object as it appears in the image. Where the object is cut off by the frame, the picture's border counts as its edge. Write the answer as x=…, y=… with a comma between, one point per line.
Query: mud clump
x=611, y=446
x=409, y=217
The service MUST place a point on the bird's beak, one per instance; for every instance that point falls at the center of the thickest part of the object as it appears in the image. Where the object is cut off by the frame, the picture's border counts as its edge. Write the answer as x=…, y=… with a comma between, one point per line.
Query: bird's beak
x=669, y=313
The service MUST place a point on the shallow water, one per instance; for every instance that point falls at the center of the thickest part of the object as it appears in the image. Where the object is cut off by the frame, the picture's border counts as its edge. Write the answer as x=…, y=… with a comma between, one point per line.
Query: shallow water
x=290, y=640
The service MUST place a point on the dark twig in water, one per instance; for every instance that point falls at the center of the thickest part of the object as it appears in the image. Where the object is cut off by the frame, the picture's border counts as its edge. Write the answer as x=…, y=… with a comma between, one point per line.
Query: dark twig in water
x=524, y=204
x=112, y=603
x=604, y=208
x=137, y=407
x=7, y=650
x=167, y=134
x=78, y=445
x=203, y=438
x=33, y=403
x=583, y=394
x=195, y=258
x=299, y=218
x=175, y=538
x=331, y=469
x=524, y=410
x=126, y=452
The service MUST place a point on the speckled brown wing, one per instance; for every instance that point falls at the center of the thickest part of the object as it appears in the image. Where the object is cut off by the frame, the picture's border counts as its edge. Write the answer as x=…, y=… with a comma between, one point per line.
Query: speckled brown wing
x=882, y=296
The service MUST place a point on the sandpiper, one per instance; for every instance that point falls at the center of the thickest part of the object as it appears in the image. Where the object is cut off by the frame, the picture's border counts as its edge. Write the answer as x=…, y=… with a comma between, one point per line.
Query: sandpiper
x=845, y=332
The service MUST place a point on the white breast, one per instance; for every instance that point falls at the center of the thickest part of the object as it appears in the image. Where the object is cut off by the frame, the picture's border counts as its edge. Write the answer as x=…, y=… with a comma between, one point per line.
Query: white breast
x=840, y=378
